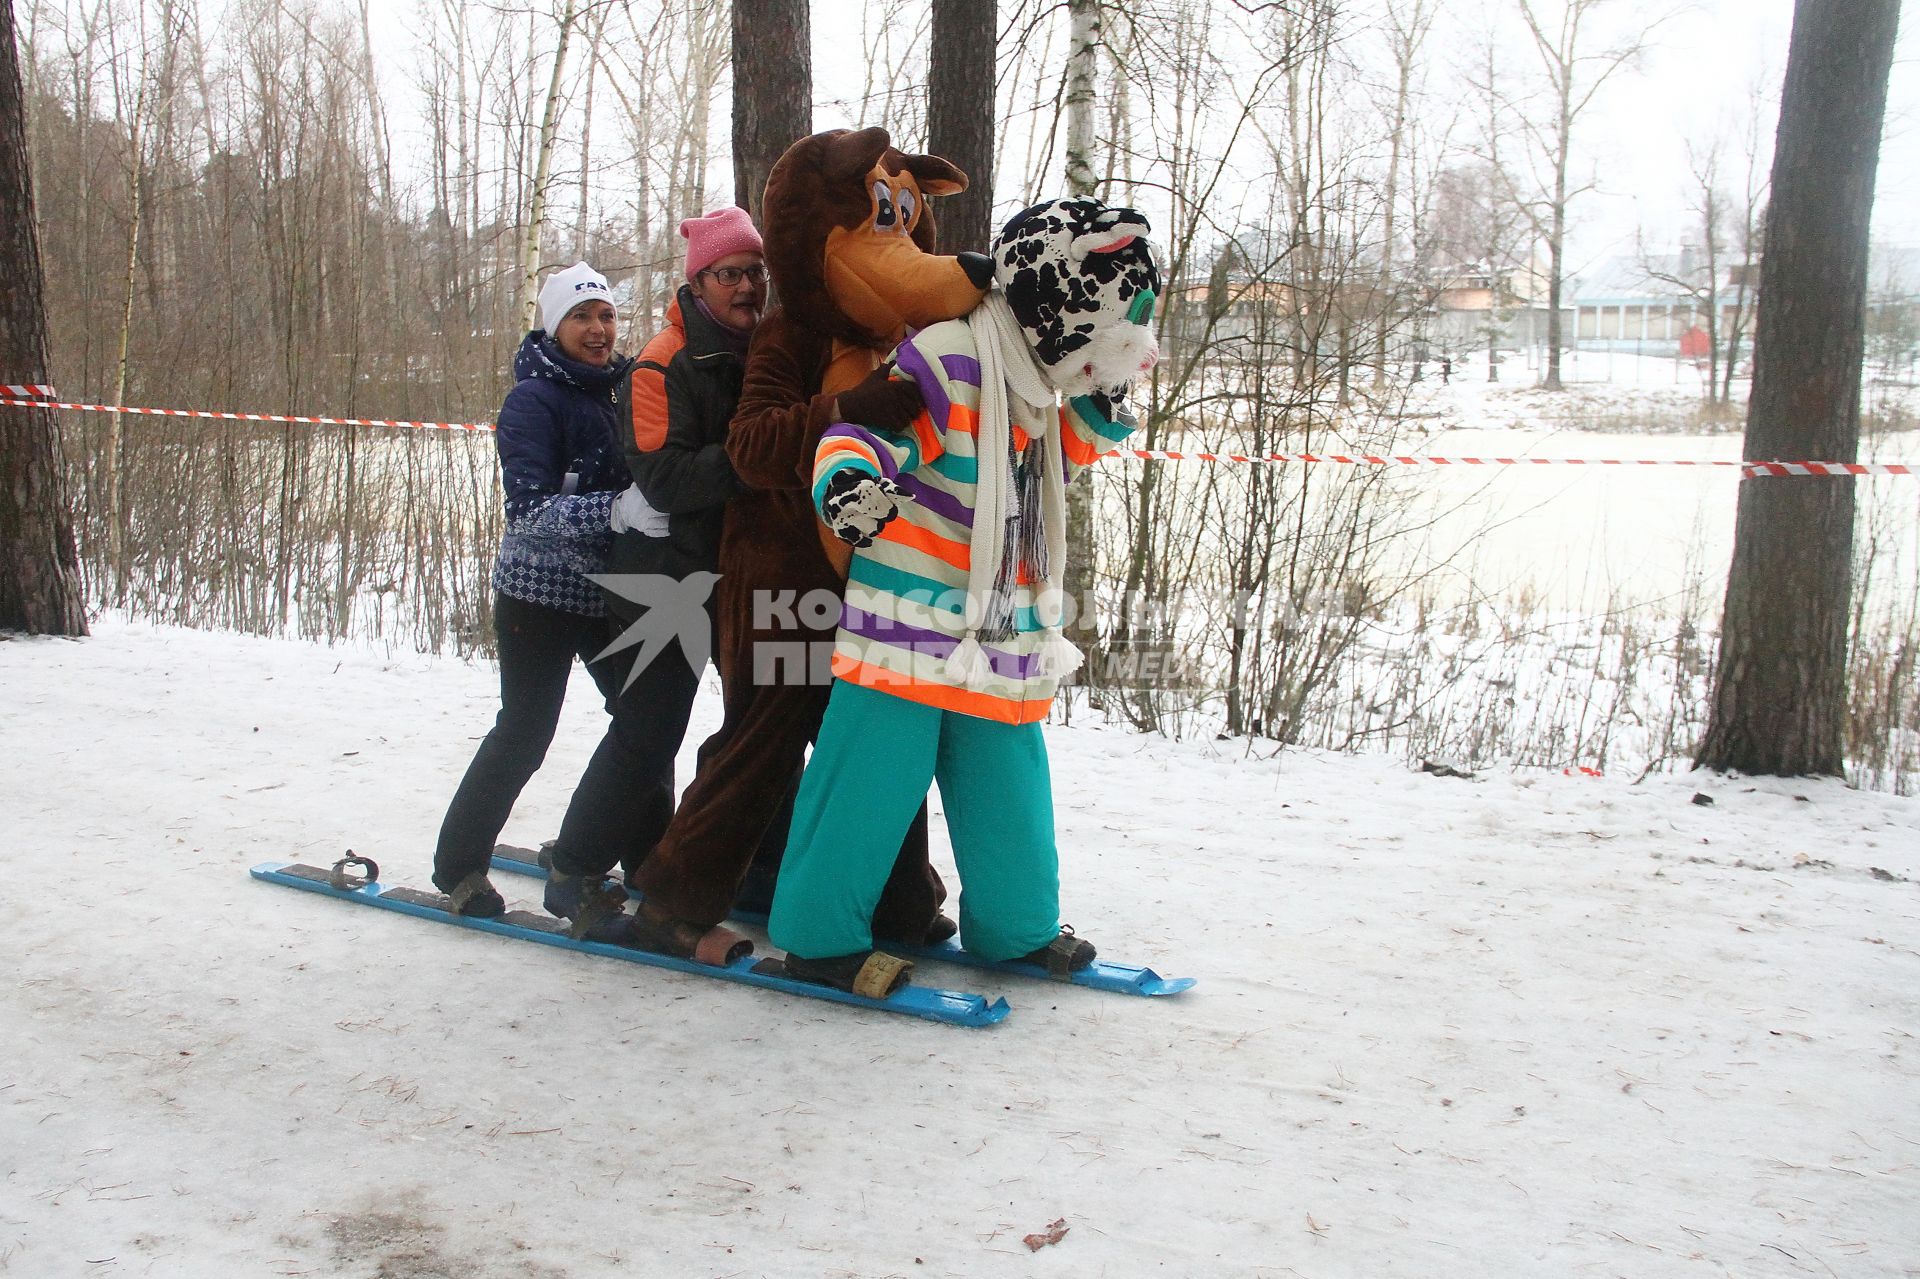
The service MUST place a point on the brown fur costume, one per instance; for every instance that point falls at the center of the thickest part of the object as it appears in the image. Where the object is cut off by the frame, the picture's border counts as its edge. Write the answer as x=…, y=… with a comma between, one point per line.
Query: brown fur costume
x=852, y=270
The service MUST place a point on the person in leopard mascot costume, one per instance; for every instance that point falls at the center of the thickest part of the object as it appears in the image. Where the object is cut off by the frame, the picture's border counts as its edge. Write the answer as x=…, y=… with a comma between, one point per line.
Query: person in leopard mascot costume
x=950, y=649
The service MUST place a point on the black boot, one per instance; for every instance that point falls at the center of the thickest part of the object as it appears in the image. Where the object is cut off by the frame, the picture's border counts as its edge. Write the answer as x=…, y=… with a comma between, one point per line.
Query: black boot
x=595, y=904
x=1062, y=957
x=476, y=897
x=872, y=973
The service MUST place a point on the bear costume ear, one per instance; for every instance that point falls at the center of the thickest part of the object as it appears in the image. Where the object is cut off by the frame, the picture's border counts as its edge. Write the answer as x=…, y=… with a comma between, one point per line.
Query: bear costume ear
x=935, y=176
x=851, y=156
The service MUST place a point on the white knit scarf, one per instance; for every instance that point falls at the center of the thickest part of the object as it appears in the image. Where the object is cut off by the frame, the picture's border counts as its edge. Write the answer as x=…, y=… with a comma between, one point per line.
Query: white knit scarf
x=1008, y=371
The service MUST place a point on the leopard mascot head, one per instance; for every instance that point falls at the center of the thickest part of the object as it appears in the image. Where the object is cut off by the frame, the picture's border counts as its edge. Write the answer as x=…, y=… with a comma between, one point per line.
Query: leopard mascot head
x=1081, y=279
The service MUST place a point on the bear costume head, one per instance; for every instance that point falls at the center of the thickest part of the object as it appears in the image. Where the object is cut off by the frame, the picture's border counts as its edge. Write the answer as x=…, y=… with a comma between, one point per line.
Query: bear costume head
x=849, y=245
x=1081, y=280
x=849, y=240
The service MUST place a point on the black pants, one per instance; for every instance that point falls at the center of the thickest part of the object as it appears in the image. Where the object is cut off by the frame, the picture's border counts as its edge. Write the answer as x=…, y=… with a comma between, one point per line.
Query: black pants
x=537, y=647
x=625, y=798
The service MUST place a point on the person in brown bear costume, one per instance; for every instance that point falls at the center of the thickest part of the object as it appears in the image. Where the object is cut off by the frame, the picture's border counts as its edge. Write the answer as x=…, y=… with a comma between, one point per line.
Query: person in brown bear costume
x=849, y=247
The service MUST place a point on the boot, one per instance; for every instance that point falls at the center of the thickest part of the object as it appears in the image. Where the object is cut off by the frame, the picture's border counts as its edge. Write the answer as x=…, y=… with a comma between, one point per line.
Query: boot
x=596, y=905
x=476, y=897
x=1062, y=957
x=939, y=932
x=872, y=973
x=651, y=928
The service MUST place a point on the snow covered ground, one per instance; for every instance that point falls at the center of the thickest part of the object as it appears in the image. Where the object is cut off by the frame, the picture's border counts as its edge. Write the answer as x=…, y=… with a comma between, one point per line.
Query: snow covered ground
x=1520, y=1025
x=1608, y=391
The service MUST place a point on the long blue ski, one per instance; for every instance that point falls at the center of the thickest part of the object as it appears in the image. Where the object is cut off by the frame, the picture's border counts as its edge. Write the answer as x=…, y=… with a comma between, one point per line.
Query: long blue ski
x=955, y=1008
x=1123, y=979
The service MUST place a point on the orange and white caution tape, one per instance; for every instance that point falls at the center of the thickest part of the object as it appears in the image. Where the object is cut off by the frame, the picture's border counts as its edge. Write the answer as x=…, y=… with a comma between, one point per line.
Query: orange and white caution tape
x=1405, y=459
x=250, y=417
x=31, y=391
x=41, y=399
x=1748, y=470
x=1828, y=468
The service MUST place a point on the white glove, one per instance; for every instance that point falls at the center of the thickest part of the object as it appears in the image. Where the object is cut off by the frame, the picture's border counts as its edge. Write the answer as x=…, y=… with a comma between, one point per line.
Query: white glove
x=630, y=513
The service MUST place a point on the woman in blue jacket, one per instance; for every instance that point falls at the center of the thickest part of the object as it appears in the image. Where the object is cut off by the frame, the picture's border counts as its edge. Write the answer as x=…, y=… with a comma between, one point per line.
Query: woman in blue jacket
x=564, y=473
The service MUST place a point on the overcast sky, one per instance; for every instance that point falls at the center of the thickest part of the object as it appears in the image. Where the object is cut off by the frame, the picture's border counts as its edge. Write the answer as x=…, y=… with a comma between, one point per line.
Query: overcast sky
x=1700, y=68
x=1695, y=80
x=1705, y=62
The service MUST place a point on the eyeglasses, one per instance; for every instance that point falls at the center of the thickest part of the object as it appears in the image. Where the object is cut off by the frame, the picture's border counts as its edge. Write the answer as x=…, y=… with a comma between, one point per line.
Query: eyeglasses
x=730, y=276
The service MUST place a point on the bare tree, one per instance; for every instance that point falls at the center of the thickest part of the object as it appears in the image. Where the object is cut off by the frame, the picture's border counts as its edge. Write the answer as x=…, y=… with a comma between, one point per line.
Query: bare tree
x=543, y=167
x=1083, y=51
x=960, y=116
x=39, y=570
x=1697, y=274
x=134, y=118
x=1032, y=68
x=1719, y=281
x=1409, y=22
x=772, y=90
x=1780, y=687
x=896, y=46
x=596, y=31
x=1745, y=212
x=636, y=57
x=1573, y=73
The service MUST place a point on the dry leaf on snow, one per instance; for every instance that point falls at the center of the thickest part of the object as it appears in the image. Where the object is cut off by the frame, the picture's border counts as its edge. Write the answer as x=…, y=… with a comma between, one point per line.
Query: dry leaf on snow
x=1054, y=1233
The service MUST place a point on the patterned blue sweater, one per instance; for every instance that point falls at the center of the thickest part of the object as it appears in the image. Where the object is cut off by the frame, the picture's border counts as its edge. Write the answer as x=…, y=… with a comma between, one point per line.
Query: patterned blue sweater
x=561, y=466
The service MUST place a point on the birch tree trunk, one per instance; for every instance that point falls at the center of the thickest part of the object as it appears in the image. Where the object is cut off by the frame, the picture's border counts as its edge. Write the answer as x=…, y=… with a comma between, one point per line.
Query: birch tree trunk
x=116, y=439
x=543, y=166
x=383, y=159
x=586, y=130
x=640, y=129
x=1083, y=51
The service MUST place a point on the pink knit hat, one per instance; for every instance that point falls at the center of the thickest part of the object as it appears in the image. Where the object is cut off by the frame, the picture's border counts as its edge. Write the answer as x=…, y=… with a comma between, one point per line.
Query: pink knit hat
x=712, y=236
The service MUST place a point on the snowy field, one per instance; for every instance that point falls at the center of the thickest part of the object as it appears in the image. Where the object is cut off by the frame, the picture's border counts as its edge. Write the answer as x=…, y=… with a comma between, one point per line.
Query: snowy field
x=1609, y=390
x=1607, y=539
x=1519, y=1025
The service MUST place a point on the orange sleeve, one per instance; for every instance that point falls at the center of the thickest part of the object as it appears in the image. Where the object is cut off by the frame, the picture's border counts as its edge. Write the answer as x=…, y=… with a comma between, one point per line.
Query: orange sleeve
x=650, y=389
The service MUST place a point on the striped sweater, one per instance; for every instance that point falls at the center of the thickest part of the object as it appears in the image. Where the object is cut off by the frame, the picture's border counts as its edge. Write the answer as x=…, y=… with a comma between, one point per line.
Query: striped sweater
x=905, y=604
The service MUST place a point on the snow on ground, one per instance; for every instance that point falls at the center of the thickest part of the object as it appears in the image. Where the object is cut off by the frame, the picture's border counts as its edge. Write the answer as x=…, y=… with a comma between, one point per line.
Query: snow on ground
x=1607, y=391
x=1521, y=1025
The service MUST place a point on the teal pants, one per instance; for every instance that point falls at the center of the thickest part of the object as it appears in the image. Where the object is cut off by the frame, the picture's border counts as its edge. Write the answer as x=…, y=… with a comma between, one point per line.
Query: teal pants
x=871, y=765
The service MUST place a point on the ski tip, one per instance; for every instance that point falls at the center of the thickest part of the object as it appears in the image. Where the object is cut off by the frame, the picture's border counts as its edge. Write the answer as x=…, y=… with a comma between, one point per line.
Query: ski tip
x=1167, y=985
x=955, y=1008
x=994, y=1013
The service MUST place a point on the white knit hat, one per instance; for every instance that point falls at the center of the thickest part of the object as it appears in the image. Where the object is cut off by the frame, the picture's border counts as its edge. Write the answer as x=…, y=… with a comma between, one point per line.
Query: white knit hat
x=567, y=289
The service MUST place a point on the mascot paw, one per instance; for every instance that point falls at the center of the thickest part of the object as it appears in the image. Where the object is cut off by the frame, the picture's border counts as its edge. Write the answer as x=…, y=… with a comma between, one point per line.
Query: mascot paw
x=858, y=507
x=882, y=402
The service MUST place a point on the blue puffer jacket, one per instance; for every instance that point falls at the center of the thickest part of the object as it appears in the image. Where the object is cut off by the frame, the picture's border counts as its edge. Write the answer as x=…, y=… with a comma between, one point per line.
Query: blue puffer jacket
x=561, y=464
